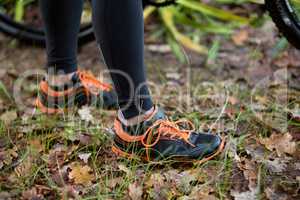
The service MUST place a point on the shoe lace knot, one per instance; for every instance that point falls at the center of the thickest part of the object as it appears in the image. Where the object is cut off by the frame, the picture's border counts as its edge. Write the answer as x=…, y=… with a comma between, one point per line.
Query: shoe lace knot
x=91, y=83
x=170, y=129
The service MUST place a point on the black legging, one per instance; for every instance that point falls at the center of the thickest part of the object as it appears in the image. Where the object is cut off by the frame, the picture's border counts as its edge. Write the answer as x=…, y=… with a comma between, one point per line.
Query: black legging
x=119, y=30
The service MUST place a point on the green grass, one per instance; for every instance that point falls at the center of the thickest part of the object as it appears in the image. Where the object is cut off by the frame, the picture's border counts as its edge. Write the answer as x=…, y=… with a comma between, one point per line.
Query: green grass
x=104, y=173
x=241, y=129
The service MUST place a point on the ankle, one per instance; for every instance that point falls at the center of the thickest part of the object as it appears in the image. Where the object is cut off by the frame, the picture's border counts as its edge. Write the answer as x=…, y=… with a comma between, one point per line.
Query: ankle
x=135, y=120
x=59, y=79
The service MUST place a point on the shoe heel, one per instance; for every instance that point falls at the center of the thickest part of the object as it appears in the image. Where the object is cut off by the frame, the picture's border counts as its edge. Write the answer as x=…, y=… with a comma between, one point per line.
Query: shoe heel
x=45, y=110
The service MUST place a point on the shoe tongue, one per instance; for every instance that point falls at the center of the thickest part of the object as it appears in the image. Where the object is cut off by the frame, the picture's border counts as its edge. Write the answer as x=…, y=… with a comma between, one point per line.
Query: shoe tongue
x=139, y=129
x=75, y=78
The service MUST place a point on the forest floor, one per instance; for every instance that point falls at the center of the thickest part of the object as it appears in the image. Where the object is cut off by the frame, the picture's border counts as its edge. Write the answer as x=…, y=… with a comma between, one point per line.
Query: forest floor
x=250, y=94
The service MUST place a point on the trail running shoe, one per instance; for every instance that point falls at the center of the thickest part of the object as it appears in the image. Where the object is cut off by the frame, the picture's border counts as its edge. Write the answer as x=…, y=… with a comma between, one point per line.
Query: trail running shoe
x=157, y=139
x=84, y=89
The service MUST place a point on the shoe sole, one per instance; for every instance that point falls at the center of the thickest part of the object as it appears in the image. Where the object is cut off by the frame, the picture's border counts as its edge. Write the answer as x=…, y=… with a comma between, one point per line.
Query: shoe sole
x=46, y=110
x=117, y=151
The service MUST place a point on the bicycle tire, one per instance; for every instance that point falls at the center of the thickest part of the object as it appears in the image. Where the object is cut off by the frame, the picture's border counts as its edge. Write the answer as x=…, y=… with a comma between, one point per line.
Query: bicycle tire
x=159, y=4
x=37, y=36
x=285, y=20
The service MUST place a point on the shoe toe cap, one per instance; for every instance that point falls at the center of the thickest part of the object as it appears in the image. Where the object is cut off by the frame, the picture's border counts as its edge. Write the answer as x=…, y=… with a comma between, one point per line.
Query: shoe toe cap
x=206, y=144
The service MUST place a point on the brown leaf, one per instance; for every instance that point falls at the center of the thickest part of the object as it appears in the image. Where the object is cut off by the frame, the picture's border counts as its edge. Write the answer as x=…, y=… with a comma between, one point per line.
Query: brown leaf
x=125, y=169
x=281, y=143
x=250, y=171
x=249, y=195
x=68, y=192
x=59, y=177
x=295, y=115
x=276, y=165
x=201, y=192
x=173, y=75
x=135, y=191
x=86, y=139
x=81, y=174
x=185, y=180
x=8, y=117
x=155, y=179
x=112, y=183
x=273, y=195
x=36, y=144
x=5, y=159
x=290, y=59
x=32, y=194
x=233, y=100
x=156, y=186
x=240, y=37
x=5, y=195
x=56, y=158
x=24, y=169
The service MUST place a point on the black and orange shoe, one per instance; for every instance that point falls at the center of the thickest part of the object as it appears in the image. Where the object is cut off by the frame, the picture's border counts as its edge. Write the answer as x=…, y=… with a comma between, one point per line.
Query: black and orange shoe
x=157, y=139
x=84, y=89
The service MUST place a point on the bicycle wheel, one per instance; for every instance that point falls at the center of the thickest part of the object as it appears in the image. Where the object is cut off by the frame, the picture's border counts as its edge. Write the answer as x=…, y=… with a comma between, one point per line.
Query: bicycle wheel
x=29, y=26
x=158, y=3
x=24, y=22
x=286, y=15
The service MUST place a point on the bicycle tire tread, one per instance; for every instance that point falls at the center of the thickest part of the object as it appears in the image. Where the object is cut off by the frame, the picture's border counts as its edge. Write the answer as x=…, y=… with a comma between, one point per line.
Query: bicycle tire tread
x=283, y=19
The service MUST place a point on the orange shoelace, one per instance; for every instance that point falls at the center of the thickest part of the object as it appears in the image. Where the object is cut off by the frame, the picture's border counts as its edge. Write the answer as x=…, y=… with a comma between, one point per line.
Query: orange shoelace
x=90, y=82
x=166, y=128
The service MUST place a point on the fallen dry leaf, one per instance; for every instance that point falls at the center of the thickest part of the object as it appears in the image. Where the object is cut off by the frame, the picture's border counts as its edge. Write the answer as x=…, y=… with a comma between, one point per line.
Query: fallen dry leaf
x=36, y=145
x=85, y=114
x=281, y=143
x=135, y=191
x=5, y=159
x=248, y=195
x=81, y=174
x=156, y=186
x=84, y=157
x=273, y=195
x=239, y=38
x=60, y=177
x=173, y=75
x=57, y=158
x=112, y=183
x=5, y=195
x=295, y=115
x=181, y=180
x=156, y=179
x=86, y=139
x=32, y=194
x=276, y=165
x=185, y=181
x=250, y=171
x=233, y=100
x=202, y=192
x=124, y=169
x=68, y=192
x=8, y=117
x=25, y=167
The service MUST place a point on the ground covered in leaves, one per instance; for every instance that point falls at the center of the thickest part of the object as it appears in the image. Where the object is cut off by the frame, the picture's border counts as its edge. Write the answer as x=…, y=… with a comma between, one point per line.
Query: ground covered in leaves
x=249, y=92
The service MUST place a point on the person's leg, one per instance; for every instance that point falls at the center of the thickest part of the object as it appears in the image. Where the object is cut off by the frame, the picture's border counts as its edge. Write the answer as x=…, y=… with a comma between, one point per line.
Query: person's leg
x=62, y=22
x=119, y=31
x=65, y=85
